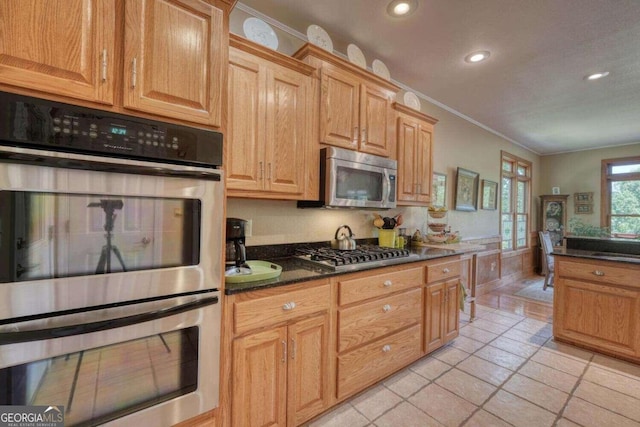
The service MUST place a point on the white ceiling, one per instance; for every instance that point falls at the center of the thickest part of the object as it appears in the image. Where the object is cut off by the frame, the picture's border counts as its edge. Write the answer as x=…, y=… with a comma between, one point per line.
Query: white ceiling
x=531, y=90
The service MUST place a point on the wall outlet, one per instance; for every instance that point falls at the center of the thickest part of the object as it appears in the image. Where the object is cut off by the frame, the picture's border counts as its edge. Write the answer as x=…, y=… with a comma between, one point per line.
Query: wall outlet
x=248, y=228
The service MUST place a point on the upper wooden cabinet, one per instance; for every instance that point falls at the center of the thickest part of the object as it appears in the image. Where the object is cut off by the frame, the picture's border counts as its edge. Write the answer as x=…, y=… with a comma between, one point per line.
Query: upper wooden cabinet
x=170, y=64
x=269, y=152
x=63, y=47
x=354, y=105
x=415, y=146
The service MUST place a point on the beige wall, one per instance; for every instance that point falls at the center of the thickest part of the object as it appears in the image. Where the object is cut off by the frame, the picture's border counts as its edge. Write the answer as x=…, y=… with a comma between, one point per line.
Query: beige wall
x=580, y=172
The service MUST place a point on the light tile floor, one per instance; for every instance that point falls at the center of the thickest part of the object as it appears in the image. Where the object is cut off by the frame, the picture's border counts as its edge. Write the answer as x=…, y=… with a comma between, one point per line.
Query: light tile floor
x=503, y=370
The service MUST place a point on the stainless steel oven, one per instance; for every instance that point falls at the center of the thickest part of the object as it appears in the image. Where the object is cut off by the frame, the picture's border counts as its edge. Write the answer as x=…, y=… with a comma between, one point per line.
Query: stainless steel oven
x=111, y=232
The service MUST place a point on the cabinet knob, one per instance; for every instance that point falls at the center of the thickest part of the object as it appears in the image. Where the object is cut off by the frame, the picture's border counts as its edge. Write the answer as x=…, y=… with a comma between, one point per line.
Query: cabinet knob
x=289, y=306
x=445, y=270
x=387, y=283
x=386, y=308
x=386, y=348
x=598, y=273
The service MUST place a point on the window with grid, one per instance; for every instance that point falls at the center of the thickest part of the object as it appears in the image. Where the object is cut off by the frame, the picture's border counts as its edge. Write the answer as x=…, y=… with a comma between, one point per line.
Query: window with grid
x=515, y=201
x=621, y=196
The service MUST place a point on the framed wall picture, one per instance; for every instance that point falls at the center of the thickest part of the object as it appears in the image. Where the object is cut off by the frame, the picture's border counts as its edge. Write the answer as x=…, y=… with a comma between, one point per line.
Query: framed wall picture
x=583, y=208
x=489, y=195
x=439, y=190
x=466, y=190
x=583, y=197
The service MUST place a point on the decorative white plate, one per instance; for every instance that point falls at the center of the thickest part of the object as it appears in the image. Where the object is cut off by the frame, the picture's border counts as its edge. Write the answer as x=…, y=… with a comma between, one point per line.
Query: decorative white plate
x=379, y=69
x=318, y=36
x=411, y=100
x=356, y=56
x=260, y=32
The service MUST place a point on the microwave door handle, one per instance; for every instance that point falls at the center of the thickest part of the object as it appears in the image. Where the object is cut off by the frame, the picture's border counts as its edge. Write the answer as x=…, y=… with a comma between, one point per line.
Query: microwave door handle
x=386, y=188
x=102, y=325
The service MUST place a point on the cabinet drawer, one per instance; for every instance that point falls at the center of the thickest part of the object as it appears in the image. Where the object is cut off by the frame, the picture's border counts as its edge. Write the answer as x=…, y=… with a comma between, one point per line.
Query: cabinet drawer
x=369, y=321
x=600, y=273
x=442, y=271
x=364, y=366
x=372, y=286
x=259, y=312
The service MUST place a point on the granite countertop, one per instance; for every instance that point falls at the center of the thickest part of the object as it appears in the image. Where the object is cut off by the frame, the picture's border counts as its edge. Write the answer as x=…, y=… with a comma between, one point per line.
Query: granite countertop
x=295, y=270
x=597, y=255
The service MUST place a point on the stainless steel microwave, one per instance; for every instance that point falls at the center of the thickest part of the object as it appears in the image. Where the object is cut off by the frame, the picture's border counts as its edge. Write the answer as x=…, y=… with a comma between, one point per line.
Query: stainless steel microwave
x=350, y=179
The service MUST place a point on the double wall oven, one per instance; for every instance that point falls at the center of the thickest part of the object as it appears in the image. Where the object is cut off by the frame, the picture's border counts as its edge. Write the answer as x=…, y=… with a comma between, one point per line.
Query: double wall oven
x=110, y=264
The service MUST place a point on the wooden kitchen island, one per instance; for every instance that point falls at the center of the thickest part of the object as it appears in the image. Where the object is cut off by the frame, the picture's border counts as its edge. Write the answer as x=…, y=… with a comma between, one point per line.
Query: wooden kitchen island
x=597, y=302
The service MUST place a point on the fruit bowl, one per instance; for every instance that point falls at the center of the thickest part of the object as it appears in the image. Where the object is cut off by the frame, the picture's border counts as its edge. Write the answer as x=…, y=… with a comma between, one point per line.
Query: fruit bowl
x=437, y=238
x=437, y=214
x=437, y=227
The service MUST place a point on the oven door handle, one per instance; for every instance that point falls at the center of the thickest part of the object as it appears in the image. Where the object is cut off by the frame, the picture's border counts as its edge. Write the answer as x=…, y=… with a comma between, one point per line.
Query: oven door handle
x=102, y=325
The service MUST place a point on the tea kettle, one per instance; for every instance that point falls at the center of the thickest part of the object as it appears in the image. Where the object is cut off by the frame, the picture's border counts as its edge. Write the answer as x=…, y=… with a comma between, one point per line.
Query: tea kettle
x=343, y=241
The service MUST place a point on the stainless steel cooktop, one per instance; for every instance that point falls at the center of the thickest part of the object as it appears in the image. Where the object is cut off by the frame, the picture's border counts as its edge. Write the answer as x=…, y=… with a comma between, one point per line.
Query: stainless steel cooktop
x=362, y=256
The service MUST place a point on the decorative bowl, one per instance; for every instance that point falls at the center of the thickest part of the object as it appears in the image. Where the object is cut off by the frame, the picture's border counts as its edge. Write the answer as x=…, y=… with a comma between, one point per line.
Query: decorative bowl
x=437, y=238
x=434, y=214
x=437, y=227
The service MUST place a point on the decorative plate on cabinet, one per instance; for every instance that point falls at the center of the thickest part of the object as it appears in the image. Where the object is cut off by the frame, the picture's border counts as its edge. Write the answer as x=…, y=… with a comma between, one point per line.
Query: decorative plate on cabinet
x=318, y=36
x=411, y=100
x=379, y=69
x=356, y=56
x=260, y=32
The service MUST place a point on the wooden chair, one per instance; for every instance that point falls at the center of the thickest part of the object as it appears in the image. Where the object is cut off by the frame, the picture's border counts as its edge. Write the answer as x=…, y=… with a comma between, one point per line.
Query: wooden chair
x=547, y=248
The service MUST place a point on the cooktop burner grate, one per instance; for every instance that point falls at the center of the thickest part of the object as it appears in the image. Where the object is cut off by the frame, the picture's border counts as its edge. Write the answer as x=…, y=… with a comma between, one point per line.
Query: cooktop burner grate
x=337, y=259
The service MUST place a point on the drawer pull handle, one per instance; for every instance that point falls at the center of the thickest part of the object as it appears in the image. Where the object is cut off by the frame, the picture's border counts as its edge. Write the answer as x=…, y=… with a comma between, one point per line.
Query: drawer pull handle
x=598, y=273
x=445, y=270
x=387, y=283
x=289, y=306
x=284, y=352
x=386, y=348
x=386, y=308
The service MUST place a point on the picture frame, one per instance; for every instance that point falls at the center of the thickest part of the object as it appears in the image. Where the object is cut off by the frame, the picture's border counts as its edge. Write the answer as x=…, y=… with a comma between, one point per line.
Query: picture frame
x=466, y=190
x=583, y=197
x=555, y=190
x=439, y=190
x=489, y=195
x=583, y=208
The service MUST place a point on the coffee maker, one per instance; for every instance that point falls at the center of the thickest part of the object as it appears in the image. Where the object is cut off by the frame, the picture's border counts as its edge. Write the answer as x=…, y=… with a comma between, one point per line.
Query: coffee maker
x=235, y=253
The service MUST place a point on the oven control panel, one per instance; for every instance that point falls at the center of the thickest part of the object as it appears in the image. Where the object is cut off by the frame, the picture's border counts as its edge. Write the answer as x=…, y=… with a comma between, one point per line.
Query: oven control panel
x=38, y=123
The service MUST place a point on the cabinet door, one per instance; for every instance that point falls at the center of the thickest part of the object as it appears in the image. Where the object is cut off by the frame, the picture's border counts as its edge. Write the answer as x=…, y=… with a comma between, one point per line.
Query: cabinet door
x=434, y=326
x=308, y=375
x=173, y=59
x=339, y=109
x=376, y=121
x=244, y=144
x=408, y=131
x=62, y=47
x=423, y=164
x=597, y=315
x=259, y=379
x=451, y=321
x=286, y=130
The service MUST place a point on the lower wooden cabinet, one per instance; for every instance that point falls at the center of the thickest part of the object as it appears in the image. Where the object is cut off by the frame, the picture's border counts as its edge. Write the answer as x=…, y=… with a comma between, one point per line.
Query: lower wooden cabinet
x=597, y=305
x=280, y=375
x=442, y=304
x=280, y=368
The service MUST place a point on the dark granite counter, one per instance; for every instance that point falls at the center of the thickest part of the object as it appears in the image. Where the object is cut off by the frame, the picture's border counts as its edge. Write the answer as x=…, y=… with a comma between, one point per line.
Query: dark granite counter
x=604, y=244
x=295, y=270
x=597, y=255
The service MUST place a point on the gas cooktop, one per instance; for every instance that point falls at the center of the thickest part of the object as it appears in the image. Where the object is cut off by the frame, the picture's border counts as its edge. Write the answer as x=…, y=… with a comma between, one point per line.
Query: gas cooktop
x=362, y=256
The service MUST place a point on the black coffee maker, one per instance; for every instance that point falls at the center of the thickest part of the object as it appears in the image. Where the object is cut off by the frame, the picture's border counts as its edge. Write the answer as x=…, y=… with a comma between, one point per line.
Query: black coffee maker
x=236, y=253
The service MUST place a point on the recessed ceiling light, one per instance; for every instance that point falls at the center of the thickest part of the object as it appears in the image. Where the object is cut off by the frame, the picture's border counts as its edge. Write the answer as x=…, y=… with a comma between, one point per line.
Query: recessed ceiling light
x=402, y=7
x=477, y=56
x=596, y=76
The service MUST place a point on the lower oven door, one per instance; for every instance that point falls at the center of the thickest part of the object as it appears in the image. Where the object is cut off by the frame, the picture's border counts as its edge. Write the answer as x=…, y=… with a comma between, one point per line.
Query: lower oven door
x=149, y=363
